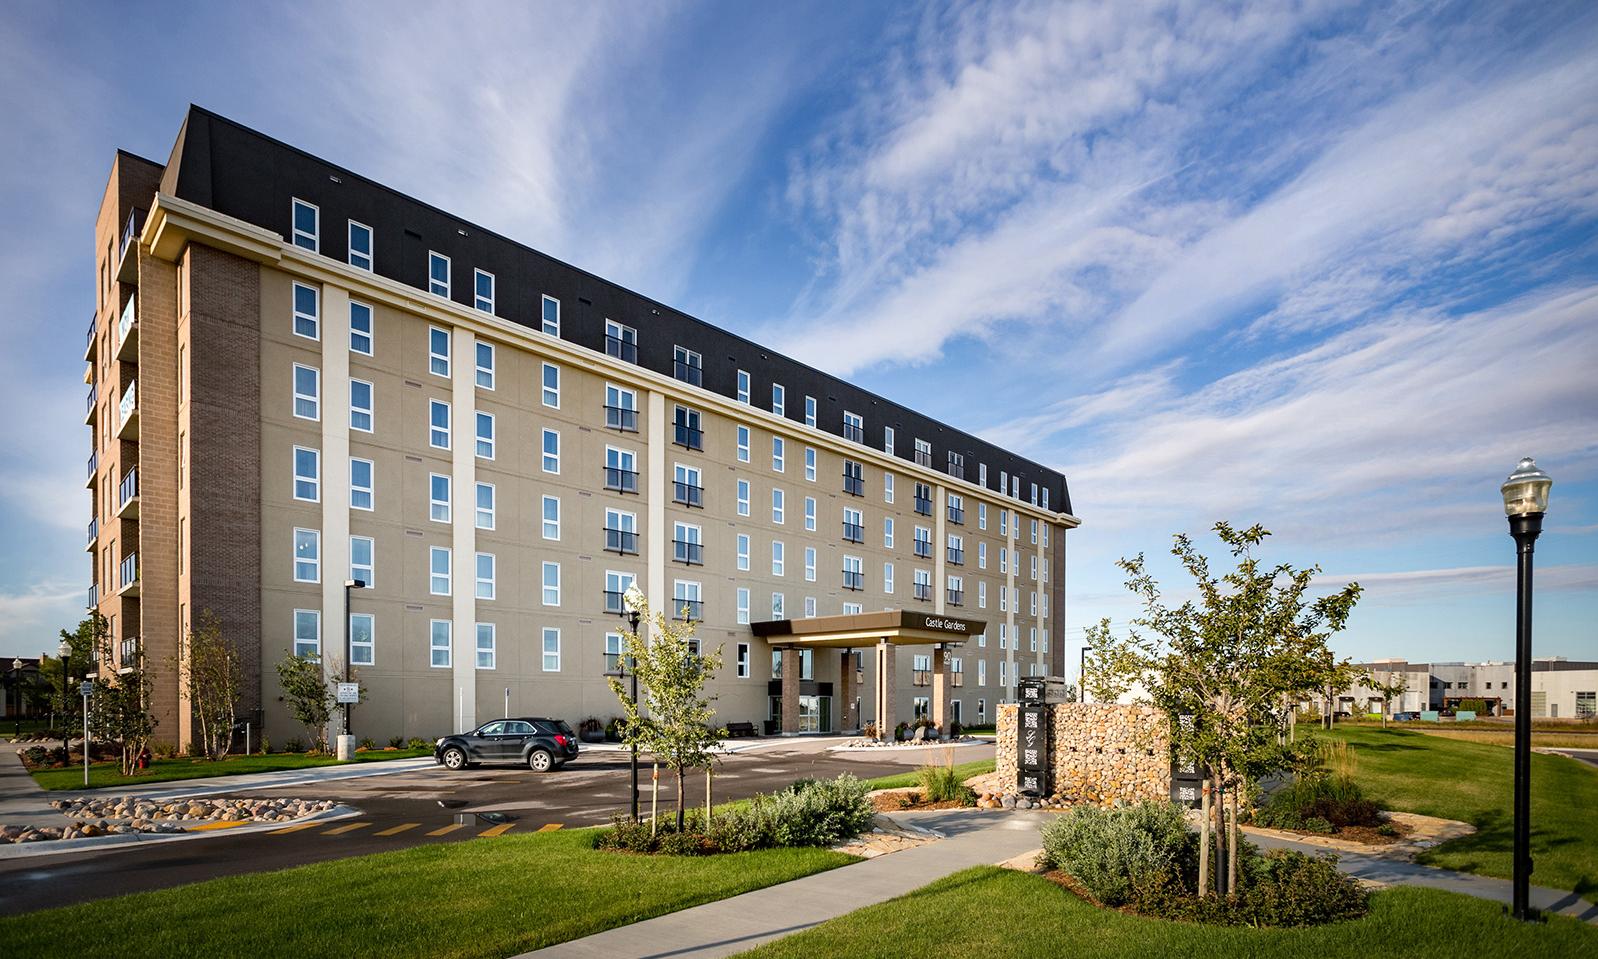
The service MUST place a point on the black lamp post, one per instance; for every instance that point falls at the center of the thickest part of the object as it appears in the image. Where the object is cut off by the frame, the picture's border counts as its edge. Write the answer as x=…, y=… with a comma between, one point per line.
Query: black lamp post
x=633, y=601
x=16, y=686
x=1525, y=502
x=349, y=649
x=65, y=651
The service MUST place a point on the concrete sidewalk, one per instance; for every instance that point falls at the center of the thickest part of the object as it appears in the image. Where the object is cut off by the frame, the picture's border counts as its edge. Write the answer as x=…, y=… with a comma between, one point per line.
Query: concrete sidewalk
x=22, y=801
x=733, y=925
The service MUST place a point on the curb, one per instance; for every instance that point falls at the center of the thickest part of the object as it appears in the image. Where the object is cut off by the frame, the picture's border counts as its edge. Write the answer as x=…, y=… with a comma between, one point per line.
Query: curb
x=63, y=847
x=932, y=744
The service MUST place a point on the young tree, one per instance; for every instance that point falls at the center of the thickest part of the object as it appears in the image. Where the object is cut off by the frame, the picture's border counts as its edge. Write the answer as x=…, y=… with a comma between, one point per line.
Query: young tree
x=1226, y=660
x=309, y=695
x=1110, y=666
x=1392, y=691
x=61, y=675
x=119, y=708
x=679, y=729
x=213, y=676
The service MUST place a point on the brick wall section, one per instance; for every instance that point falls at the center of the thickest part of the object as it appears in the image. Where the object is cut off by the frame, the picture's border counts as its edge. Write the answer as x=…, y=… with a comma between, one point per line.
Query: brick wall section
x=1102, y=753
x=224, y=323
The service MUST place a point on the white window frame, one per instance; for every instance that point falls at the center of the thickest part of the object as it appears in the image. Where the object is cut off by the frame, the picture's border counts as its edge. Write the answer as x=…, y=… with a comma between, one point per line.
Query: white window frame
x=438, y=363
x=357, y=411
x=489, y=631
x=550, y=462
x=743, y=660
x=485, y=374
x=485, y=585
x=550, y=592
x=779, y=454
x=553, y=329
x=810, y=514
x=743, y=497
x=356, y=333
x=313, y=398
x=433, y=285
x=314, y=318
x=779, y=506
x=296, y=234
x=810, y=411
x=370, y=256
x=858, y=422
x=477, y=295
x=434, y=431
x=546, y=635
x=484, y=517
x=743, y=387
x=887, y=578
x=434, y=648
x=743, y=444
x=549, y=395
x=370, y=489
x=779, y=399
x=742, y=548
x=364, y=572
x=440, y=510
x=546, y=522
x=887, y=440
x=810, y=463
x=779, y=558
x=810, y=564
x=314, y=618
x=314, y=562
x=434, y=576
x=887, y=487
x=741, y=599
x=315, y=479
x=485, y=445
x=887, y=532
x=369, y=646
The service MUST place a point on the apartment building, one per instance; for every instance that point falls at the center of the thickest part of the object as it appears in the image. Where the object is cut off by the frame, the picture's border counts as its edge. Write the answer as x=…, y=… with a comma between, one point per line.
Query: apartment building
x=1560, y=688
x=298, y=378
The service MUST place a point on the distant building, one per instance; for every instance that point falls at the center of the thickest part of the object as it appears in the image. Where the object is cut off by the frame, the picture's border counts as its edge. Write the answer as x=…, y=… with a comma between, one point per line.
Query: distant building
x=1560, y=688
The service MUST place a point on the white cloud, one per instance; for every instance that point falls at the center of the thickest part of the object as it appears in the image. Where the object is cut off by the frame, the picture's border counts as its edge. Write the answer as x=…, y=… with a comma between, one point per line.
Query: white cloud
x=32, y=617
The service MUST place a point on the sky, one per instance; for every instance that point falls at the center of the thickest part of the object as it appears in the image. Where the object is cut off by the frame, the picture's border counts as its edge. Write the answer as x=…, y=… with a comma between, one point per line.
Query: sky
x=1327, y=267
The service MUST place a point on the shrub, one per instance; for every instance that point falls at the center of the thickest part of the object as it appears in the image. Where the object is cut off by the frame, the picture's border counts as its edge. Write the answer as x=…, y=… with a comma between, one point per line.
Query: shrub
x=901, y=731
x=368, y=743
x=294, y=745
x=821, y=813
x=1333, y=799
x=266, y=744
x=395, y=742
x=1302, y=890
x=955, y=729
x=869, y=730
x=1386, y=829
x=942, y=784
x=417, y=742
x=1112, y=852
x=808, y=813
x=1317, y=824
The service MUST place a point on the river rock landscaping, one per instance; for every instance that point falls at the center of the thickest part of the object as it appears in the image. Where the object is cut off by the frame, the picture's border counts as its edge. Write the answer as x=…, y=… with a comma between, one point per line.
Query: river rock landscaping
x=129, y=814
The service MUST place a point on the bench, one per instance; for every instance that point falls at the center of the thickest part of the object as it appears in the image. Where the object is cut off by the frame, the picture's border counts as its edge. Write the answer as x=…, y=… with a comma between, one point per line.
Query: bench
x=740, y=729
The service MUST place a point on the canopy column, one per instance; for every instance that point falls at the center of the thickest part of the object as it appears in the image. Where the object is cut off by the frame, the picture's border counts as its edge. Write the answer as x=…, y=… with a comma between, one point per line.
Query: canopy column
x=789, y=713
x=940, y=689
x=849, y=718
x=885, y=682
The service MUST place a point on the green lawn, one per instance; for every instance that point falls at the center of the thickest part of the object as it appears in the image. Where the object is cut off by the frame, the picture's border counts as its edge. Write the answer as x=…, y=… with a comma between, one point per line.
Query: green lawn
x=1474, y=782
x=997, y=913
x=485, y=898
x=913, y=778
x=105, y=775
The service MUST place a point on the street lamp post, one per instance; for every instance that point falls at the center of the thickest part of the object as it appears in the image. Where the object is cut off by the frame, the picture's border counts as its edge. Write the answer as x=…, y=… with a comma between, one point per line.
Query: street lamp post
x=16, y=691
x=1525, y=501
x=65, y=651
x=633, y=601
x=349, y=649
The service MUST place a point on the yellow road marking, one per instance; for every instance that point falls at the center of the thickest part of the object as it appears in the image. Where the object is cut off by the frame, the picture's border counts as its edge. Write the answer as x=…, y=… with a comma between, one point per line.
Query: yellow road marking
x=221, y=824
x=341, y=830
x=447, y=829
x=498, y=830
x=294, y=828
x=397, y=829
x=551, y=827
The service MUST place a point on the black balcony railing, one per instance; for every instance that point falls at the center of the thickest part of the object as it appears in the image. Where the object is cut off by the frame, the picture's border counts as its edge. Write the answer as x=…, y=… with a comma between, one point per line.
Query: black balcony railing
x=688, y=610
x=689, y=437
x=688, y=494
x=956, y=597
x=853, y=432
x=130, y=231
x=957, y=515
x=685, y=552
x=957, y=678
x=923, y=548
x=94, y=595
x=93, y=324
x=924, y=505
x=621, y=480
x=957, y=470
x=129, y=488
x=614, y=603
x=94, y=395
x=957, y=556
x=129, y=654
x=94, y=464
x=854, y=485
x=94, y=531
x=854, y=533
x=854, y=579
x=923, y=457
x=924, y=592
x=622, y=541
x=921, y=677
x=621, y=349
x=688, y=373
x=621, y=418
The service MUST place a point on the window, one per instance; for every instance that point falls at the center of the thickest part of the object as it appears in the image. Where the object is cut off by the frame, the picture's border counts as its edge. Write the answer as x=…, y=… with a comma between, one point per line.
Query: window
x=777, y=509
x=621, y=532
x=743, y=552
x=307, y=556
x=743, y=660
x=982, y=516
x=956, y=591
x=485, y=365
x=853, y=526
x=810, y=607
x=743, y=444
x=923, y=501
x=307, y=226
x=923, y=542
x=982, y=595
x=686, y=604
x=485, y=435
x=438, y=424
x=982, y=680
x=485, y=575
x=777, y=604
x=1044, y=500
x=307, y=633
x=743, y=387
x=439, y=642
x=361, y=494
x=551, y=649
x=854, y=577
x=923, y=584
x=887, y=487
x=485, y=506
x=438, y=274
x=887, y=440
x=615, y=587
x=551, y=315
x=743, y=497
x=688, y=366
x=810, y=513
x=779, y=399
x=307, y=311
x=887, y=532
x=810, y=463
x=363, y=555
x=361, y=406
x=854, y=482
x=360, y=246
x=438, y=497
x=923, y=453
x=307, y=392
x=483, y=290
x=551, y=386
x=956, y=550
x=686, y=486
x=551, y=451
x=743, y=606
x=613, y=652
x=621, y=473
x=1034, y=539
x=957, y=465
x=778, y=563
x=854, y=427
x=852, y=609
x=361, y=643
x=307, y=474
x=810, y=411
x=810, y=564
x=438, y=351
x=485, y=645
x=439, y=572
x=982, y=555
x=1004, y=521
x=621, y=341
x=777, y=454
x=551, y=583
x=552, y=517
x=956, y=508
x=887, y=578
x=687, y=432
x=688, y=544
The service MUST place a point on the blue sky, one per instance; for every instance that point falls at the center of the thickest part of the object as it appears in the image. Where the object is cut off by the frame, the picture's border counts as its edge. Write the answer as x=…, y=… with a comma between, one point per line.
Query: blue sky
x=1329, y=267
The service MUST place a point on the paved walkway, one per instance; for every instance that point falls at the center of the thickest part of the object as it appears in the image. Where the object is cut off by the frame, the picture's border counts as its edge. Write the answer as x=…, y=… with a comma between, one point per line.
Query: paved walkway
x=733, y=925
x=22, y=801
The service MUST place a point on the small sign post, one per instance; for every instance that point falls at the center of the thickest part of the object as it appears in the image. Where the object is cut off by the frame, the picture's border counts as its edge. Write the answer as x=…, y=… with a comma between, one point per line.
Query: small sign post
x=1187, y=776
x=1032, y=739
x=349, y=693
x=85, y=690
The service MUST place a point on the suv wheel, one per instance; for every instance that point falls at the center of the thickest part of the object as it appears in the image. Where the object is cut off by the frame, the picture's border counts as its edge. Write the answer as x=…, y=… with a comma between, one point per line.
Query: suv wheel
x=454, y=758
x=540, y=761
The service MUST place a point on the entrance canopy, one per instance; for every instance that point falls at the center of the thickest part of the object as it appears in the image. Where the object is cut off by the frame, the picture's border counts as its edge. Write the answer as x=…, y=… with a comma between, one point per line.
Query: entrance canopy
x=898, y=626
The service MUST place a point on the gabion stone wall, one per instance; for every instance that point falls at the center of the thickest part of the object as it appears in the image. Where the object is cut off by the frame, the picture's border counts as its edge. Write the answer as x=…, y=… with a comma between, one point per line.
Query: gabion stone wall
x=1103, y=753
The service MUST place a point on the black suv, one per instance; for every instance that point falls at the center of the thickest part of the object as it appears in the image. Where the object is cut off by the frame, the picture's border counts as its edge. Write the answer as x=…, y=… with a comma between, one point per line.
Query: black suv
x=538, y=743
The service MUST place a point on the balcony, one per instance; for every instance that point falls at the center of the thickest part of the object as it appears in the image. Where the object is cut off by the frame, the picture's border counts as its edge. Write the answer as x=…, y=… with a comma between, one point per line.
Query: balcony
x=854, y=485
x=624, y=350
x=94, y=534
x=128, y=495
x=956, y=555
x=128, y=576
x=957, y=678
x=93, y=404
x=956, y=597
x=924, y=457
x=94, y=470
x=88, y=348
x=129, y=652
x=128, y=266
x=923, y=548
x=621, y=480
x=921, y=677
x=854, y=580
x=128, y=333
x=688, y=373
x=621, y=418
x=924, y=505
x=693, y=554
x=854, y=533
x=614, y=603
x=688, y=494
x=689, y=437
x=957, y=515
x=688, y=610
x=128, y=413
x=924, y=592
x=622, y=541
x=853, y=432
x=94, y=595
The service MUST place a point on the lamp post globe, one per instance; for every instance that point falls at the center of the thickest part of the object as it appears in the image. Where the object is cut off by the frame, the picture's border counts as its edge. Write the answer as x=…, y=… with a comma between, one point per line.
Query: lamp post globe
x=1525, y=495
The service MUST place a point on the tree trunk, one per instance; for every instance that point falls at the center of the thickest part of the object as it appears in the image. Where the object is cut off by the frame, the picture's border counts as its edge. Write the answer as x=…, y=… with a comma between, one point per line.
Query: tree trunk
x=654, y=797
x=681, y=792
x=707, y=799
x=1217, y=807
x=1231, y=842
x=1204, y=841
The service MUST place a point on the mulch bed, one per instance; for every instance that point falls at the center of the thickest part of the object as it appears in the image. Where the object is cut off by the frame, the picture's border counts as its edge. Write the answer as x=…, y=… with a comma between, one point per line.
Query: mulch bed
x=902, y=801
